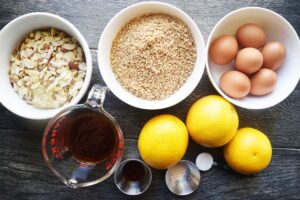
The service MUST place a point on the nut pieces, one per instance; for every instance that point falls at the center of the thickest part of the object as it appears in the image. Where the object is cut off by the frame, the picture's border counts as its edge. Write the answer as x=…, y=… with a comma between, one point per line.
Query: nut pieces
x=48, y=69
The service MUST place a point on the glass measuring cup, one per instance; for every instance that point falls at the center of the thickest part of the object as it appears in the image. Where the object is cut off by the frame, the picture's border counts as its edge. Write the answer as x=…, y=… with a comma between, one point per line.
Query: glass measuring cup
x=83, y=144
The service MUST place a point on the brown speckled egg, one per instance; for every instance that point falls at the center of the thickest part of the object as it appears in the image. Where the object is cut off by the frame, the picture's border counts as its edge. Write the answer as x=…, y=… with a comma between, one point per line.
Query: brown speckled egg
x=248, y=60
x=274, y=55
x=263, y=82
x=251, y=35
x=223, y=50
x=235, y=84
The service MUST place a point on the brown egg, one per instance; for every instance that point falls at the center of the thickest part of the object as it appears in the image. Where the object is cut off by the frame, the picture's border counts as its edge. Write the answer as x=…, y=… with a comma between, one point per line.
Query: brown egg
x=223, y=50
x=274, y=55
x=251, y=35
x=248, y=60
x=263, y=82
x=235, y=84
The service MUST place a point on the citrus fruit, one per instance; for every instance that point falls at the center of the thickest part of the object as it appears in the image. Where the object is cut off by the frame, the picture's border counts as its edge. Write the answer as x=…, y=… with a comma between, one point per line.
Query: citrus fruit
x=163, y=141
x=212, y=121
x=249, y=152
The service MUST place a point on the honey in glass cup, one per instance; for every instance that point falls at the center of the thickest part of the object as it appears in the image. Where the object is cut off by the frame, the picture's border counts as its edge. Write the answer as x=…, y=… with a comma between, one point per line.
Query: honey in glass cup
x=83, y=144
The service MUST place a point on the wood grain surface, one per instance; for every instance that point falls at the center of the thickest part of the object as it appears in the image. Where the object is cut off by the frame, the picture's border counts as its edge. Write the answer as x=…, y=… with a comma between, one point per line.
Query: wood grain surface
x=23, y=174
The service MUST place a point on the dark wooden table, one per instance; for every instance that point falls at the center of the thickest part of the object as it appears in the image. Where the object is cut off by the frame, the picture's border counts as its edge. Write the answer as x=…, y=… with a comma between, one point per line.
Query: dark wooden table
x=24, y=175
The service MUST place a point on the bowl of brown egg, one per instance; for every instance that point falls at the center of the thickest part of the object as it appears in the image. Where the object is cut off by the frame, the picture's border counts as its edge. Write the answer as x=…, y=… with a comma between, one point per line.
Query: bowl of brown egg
x=252, y=58
x=45, y=65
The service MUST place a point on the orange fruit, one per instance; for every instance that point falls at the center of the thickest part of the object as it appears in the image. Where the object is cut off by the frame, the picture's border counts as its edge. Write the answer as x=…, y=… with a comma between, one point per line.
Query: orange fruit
x=163, y=141
x=212, y=121
x=249, y=152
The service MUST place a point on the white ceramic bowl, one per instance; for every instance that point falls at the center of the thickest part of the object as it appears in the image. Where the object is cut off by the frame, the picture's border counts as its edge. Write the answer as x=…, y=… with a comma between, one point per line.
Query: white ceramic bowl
x=277, y=28
x=110, y=32
x=10, y=37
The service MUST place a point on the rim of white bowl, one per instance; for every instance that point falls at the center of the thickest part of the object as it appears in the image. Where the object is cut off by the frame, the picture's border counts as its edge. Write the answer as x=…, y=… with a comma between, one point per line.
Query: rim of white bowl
x=88, y=59
x=234, y=101
x=160, y=104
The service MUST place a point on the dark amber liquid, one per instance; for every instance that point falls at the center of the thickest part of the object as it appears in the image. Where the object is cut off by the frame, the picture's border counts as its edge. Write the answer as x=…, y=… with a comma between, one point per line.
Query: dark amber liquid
x=89, y=135
x=134, y=171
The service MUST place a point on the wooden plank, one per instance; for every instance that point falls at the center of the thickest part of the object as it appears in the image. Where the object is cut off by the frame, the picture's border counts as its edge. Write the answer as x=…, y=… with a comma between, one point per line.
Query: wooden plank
x=90, y=17
x=280, y=123
x=24, y=175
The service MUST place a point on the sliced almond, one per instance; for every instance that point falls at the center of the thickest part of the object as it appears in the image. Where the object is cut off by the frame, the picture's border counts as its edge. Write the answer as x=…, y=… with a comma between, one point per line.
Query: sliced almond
x=48, y=69
x=69, y=46
x=37, y=35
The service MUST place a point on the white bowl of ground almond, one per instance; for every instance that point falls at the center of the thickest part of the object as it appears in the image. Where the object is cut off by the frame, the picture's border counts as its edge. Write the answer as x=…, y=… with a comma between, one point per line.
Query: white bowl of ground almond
x=45, y=65
x=151, y=55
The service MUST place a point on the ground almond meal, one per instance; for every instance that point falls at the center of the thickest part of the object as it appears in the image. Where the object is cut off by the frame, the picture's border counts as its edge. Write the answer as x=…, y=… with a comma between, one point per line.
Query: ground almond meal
x=153, y=55
x=48, y=69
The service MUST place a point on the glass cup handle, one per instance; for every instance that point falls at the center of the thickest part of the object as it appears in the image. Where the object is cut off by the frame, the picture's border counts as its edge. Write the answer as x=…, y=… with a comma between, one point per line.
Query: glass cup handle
x=96, y=96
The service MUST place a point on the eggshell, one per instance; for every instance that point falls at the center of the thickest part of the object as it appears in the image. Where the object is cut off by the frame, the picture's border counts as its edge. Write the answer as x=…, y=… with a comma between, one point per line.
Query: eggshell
x=248, y=60
x=223, y=50
x=274, y=54
x=251, y=35
x=263, y=82
x=235, y=84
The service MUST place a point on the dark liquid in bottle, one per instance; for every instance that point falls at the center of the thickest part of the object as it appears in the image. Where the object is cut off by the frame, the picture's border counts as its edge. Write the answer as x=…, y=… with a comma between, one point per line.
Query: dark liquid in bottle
x=134, y=171
x=89, y=135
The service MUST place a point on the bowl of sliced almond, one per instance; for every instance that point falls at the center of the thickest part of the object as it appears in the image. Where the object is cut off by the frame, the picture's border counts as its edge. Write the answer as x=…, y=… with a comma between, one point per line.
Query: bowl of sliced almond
x=46, y=65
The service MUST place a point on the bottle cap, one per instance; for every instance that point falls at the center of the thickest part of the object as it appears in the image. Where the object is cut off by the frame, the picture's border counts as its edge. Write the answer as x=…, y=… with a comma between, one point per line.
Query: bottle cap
x=204, y=161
